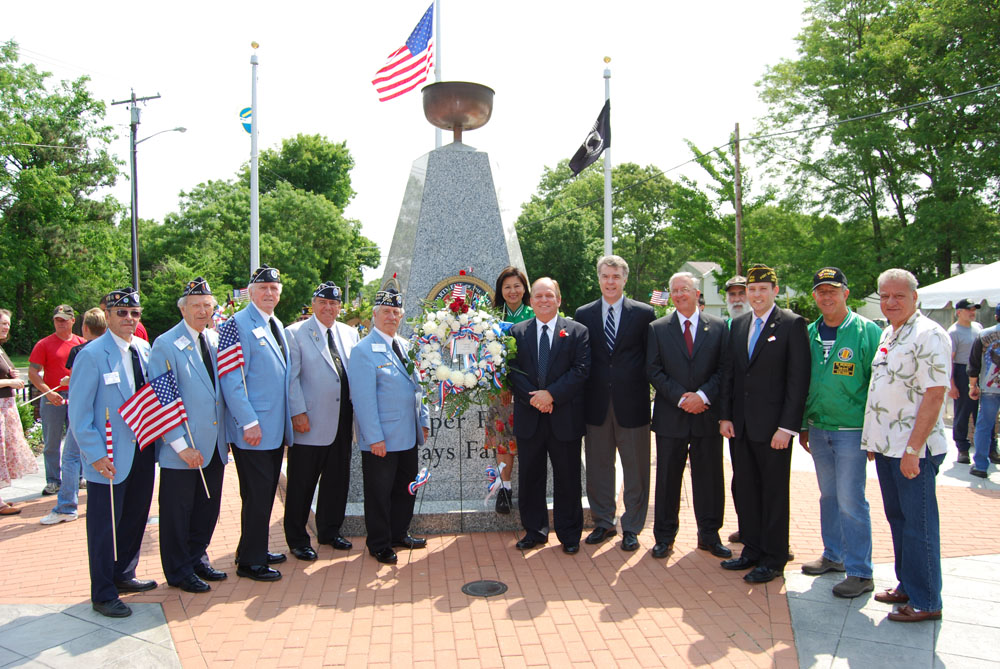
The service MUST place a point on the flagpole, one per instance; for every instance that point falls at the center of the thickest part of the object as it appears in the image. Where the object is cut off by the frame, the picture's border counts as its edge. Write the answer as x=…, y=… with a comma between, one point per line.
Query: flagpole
x=111, y=491
x=607, y=167
x=437, y=60
x=191, y=437
x=254, y=198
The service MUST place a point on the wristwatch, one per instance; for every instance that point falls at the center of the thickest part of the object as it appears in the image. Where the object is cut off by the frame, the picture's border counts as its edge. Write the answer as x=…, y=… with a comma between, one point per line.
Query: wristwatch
x=912, y=451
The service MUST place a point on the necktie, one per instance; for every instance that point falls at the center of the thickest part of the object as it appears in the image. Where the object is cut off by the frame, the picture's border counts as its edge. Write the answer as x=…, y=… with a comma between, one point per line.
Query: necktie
x=338, y=364
x=206, y=357
x=277, y=336
x=688, y=339
x=543, y=356
x=137, y=375
x=757, y=325
x=398, y=351
x=609, y=329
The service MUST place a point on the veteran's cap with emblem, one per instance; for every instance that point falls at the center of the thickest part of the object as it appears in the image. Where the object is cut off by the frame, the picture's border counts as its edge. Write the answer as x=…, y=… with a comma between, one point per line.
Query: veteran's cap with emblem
x=123, y=297
x=759, y=273
x=65, y=312
x=197, y=286
x=265, y=274
x=966, y=303
x=738, y=280
x=390, y=297
x=829, y=276
x=328, y=290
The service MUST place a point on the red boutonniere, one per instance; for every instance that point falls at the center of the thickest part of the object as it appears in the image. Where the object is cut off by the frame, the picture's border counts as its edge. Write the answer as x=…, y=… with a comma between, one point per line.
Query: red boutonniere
x=562, y=333
x=884, y=350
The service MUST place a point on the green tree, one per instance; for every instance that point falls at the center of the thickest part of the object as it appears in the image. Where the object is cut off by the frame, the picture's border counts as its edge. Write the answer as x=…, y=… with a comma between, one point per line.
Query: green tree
x=309, y=162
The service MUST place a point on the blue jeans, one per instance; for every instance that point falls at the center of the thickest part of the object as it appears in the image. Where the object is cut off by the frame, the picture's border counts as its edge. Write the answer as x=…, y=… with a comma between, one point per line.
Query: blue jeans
x=912, y=511
x=845, y=520
x=69, y=491
x=989, y=404
x=55, y=422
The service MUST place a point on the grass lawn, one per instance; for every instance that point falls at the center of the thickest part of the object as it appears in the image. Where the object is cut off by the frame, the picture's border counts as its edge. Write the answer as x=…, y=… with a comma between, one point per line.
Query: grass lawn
x=19, y=360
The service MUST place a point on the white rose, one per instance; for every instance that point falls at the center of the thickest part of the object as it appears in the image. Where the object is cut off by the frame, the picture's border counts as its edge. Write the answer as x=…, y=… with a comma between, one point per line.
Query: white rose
x=430, y=325
x=470, y=380
x=442, y=373
x=464, y=319
x=458, y=378
x=441, y=315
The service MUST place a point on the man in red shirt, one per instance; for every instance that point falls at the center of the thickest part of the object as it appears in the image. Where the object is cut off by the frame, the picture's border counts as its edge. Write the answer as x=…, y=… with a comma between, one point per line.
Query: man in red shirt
x=47, y=367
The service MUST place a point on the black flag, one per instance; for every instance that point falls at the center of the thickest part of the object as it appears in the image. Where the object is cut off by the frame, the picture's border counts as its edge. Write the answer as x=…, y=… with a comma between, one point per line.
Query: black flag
x=597, y=140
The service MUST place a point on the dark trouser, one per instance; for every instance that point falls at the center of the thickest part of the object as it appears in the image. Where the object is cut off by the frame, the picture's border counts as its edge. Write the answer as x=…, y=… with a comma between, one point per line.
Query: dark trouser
x=331, y=467
x=965, y=407
x=760, y=493
x=567, y=508
x=706, y=482
x=187, y=517
x=258, y=472
x=632, y=445
x=132, y=499
x=388, y=502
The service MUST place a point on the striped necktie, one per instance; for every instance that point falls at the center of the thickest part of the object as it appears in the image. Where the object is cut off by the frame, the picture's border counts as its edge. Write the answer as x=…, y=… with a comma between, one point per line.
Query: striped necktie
x=609, y=329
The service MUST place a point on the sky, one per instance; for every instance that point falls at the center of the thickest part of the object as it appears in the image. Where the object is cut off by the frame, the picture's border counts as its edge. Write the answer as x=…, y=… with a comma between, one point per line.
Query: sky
x=678, y=71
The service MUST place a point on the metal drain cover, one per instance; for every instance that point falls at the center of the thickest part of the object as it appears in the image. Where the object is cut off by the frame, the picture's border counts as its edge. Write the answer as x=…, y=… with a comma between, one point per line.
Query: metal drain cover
x=484, y=588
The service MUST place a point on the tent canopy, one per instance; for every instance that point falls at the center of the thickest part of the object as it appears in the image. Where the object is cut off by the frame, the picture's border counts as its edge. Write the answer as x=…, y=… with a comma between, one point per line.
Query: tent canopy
x=977, y=285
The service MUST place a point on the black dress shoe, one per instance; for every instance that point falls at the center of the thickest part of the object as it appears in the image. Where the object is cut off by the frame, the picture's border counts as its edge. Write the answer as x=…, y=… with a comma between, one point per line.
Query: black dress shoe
x=527, y=543
x=192, y=583
x=661, y=549
x=761, y=574
x=716, y=549
x=600, y=534
x=385, y=556
x=340, y=543
x=275, y=558
x=135, y=585
x=116, y=608
x=305, y=553
x=410, y=542
x=504, y=500
x=571, y=549
x=258, y=572
x=738, y=563
x=630, y=541
x=207, y=572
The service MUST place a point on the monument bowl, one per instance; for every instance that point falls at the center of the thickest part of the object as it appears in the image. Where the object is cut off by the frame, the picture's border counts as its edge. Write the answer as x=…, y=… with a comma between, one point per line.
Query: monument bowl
x=457, y=106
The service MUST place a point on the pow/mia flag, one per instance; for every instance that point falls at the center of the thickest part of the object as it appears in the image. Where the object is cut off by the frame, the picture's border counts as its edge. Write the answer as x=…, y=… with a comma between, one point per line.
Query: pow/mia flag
x=597, y=140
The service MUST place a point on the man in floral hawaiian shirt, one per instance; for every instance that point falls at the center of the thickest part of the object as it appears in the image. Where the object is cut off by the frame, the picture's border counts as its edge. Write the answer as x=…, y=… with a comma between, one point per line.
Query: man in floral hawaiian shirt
x=905, y=429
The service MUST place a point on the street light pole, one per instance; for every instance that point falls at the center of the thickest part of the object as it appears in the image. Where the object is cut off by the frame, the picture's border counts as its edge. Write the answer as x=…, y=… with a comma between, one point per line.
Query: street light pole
x=135, y=199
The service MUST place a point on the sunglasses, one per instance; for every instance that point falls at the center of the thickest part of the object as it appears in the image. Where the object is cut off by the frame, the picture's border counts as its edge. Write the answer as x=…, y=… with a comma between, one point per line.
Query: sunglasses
x=122, y=313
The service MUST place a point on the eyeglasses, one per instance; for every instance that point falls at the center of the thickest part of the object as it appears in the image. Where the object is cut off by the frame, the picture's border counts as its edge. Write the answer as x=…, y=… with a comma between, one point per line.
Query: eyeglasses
x=122, y=313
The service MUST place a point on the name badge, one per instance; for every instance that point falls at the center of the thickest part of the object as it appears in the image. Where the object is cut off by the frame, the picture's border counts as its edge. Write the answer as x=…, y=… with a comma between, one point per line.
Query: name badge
x=182, y=343
x=378, y=348
x=111, y=378
x=843, y=368
x=258, y=332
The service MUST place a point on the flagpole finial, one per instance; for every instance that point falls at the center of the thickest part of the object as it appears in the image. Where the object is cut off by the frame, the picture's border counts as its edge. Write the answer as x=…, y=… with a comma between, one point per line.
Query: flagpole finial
x=255, y=45
x=607, y=59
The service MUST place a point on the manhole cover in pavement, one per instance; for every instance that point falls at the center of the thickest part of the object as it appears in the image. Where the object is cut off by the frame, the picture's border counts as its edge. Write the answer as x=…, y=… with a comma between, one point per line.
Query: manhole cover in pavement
x=484, y=588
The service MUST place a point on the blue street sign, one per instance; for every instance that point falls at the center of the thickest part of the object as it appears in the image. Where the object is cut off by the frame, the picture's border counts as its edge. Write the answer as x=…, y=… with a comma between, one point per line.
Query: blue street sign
x=246, y=115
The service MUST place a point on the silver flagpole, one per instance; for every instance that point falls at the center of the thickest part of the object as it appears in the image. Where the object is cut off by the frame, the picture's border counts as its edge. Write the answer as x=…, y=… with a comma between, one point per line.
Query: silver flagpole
x=437, y=60
x=607, y=166
x=254, y=195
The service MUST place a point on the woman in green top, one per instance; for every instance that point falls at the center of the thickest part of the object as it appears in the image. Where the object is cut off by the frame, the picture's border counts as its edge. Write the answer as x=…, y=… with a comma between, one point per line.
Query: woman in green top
x=511, y=296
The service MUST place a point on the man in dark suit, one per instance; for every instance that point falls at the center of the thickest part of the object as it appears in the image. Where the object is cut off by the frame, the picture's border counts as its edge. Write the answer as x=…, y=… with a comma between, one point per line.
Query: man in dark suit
x=617, y=404
x=684, y=362
x=764, y=393
x=548, y=375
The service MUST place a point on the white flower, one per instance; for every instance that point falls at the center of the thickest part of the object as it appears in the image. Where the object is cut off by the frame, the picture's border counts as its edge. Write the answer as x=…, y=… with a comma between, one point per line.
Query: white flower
x=463, y=319
x=441, y=315
x=470, y=380
x=442, y=373
x=425, y=363
x=495, y=348
x=478, y=328
x=458, y=378
x=491, y=335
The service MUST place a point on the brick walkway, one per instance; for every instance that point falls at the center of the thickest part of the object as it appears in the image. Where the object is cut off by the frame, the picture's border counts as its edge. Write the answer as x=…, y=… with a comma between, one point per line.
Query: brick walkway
x=601, y=607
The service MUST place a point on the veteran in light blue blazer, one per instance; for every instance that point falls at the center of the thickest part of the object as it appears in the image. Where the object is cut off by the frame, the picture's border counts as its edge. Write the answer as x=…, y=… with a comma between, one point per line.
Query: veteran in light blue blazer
x=392, y=422
x=259, y=422
x=192, y=457
x=322, y=417
x=107, y=372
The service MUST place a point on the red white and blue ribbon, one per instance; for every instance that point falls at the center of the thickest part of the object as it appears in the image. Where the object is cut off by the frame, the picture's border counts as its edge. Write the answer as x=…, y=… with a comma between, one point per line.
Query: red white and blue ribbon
x=494, y=483
x=422, y=478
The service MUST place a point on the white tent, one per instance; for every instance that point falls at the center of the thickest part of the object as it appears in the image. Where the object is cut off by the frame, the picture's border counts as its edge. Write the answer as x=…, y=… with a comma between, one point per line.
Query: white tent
x=977, y=285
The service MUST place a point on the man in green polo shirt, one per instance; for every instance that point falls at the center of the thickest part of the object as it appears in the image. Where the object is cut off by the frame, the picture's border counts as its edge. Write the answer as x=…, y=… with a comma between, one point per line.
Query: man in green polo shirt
x=842, y=345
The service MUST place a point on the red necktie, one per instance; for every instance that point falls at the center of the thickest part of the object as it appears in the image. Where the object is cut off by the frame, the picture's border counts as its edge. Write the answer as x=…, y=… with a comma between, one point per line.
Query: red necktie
x=688, y=339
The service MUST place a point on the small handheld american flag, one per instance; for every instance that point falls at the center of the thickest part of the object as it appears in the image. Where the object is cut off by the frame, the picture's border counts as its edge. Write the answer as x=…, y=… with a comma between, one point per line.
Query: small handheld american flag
x=154, y=409
x=660, y=297
x=230, y=355
x=458, y=292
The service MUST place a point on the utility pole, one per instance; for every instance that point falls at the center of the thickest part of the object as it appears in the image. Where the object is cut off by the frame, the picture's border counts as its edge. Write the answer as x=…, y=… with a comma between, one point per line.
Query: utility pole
x=254, y=187
x=135, y=188
x=738, y=193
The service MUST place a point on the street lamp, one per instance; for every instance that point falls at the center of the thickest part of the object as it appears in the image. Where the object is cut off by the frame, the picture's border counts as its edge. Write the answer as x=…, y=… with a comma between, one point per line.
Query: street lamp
x=135, y=192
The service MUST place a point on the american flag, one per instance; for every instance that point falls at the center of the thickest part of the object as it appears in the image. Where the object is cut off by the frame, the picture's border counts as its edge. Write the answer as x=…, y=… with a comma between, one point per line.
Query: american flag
x=154, y=409
x=458, y=292
x=108, y=441
x=407, y=67
x=230, y=350
x=660, y=297
x=241, y=294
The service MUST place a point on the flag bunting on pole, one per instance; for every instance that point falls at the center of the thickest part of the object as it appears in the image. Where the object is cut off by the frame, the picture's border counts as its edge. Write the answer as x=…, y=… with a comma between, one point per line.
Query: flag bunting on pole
x=659, y=297
x=598, y=139
x=108, y=441
x=154, y=409
x=407, y=67
x=230, y=350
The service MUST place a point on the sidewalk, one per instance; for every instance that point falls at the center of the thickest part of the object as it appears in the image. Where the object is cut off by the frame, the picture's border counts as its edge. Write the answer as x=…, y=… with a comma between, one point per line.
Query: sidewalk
x=602, y=607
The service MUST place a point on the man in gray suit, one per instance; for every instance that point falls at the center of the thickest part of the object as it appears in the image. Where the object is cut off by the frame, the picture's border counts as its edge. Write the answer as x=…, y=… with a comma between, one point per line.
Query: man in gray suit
x=189, y=508
x=319, y=350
